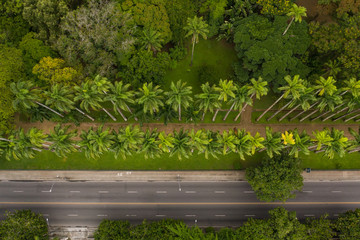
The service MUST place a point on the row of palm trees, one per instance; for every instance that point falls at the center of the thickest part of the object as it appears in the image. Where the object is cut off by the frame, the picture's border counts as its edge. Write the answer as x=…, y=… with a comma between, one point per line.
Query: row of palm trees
x=322, y=100
x=149, y=100
x=131, y=139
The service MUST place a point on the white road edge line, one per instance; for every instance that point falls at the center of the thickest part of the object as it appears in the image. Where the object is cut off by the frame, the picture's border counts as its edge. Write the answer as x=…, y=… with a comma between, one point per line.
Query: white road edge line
x=161, y=191
x=190, y=191
x=103, y=191
x=130, y=215
x=18, y=191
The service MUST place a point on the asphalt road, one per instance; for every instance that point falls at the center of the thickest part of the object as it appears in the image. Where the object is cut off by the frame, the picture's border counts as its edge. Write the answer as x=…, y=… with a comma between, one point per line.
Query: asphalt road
x=203, y=203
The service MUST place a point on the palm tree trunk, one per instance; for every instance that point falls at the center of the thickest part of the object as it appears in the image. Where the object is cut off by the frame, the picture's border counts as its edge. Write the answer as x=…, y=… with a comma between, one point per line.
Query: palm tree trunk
x=227, y=114
x=288, y=26
x=117, y=109
x=304, y=111
x=214, y=117
x=345, y=115
x=310, y=114
x=285, y=106
x=243, y=109
x=129, y=109
x=321, y=115
x=330, y=116
x=203, y=116
x=4, y=139
x=192, y=51
x=355, y=116
x=109, y=114
x=270, y=107
x=39, y=103
x=86, y=115
x=287, y=114
x=179, y=112
x=354, y=150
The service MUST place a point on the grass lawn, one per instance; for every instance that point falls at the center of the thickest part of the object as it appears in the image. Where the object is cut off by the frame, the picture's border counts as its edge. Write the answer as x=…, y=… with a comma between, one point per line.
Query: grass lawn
x=218, y=55
x=77, y=161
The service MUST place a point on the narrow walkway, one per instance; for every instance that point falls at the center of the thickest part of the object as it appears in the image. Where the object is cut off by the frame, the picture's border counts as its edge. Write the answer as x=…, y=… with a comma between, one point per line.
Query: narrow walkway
x=245, y=123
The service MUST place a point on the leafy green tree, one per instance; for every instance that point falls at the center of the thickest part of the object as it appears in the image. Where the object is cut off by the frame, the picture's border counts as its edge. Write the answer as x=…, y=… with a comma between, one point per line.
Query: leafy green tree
x=244, y=143
x=294, y=87
x=319, y=228
x=226, y=90
x=113, y=229
x=348, y=225
x=296, y=13
x=195, y=27
x=208, y=100
x=16, y=146
x=198, y=140
x=88, y=96
x=179, y=96
x=95, y=143
x=45, y=16
x=168, y=114
x=355, y=143
x=23, y=225
x=97, y=35
x=62, y=142
x=127, y=141
x=150, y=98
x=301, y=143
x=337, y=145
x=276, y=178
x=241, y=97
x=166, y=142
x=214, y=147
x=181, y=144
x=60, y=97
x=150, y=40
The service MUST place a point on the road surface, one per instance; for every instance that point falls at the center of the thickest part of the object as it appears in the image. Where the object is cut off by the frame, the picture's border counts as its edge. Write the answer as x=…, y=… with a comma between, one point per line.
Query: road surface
x=203, y=203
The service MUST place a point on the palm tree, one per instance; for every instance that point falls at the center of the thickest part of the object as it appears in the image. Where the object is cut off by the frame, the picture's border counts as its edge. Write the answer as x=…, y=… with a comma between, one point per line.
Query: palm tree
x=120, y=96
x=168, y=114
x=323, y=86
x=150, y=40
x=337, y=145
x=208, y=100
x=241, y=97
x=272, y=143
x=95, y=143
x=198, y=140
x=102, y=86
x=166, y=142
x=322, y=138
x=150, y=98
x=332, y=68
x=257, y=88
x=226, y=89
x=228, y=141
x=195, y=27
x=327, y=101
x=61, y=139
x=256, y=142
x=181, y=144
x=213, y=148
x=26, y=96
x=192, y=114
x=354, y=144
x=127, y=140
x=179, y=96
x=303, y=102
x=17, y=146
x=88, y=96
x=151, y=144
x=302, y=143
x=296, y=13
x=294, y=87
x=243, y=145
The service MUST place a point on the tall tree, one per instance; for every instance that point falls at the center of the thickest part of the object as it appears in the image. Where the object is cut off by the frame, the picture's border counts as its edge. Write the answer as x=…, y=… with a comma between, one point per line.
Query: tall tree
x=272, y=142
x=241, y=97
x=27, y=96
x=213, y=148
x=88, y=96
x=196, y=27
x=257, y=88
x=244, y=143
x=179, y=96
x=62, y=142
x=296, y=13
x=348, y=225
x=294, y=87
x=228, y=141
x=60, y=97
x=302, y=143
x=151, y=144
x=208, y=100
x=355, y=143
x=102, y=86
x=226, y=90
x=95, y=143
x=127, y=141
x=150, y=98
x=198, y=140
x=181, y=144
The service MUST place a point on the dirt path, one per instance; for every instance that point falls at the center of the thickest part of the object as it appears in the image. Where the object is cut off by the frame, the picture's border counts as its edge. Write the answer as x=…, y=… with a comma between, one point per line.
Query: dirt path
x=245, y=123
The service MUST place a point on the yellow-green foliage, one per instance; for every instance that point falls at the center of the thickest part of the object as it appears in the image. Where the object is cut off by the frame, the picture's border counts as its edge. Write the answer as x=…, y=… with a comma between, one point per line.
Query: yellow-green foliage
x=274, y=7
x=150, y=14
x=53, y=70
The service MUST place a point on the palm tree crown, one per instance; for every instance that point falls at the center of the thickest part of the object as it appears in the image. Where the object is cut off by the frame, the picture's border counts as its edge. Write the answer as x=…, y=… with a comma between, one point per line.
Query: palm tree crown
x=179, y=96
x=150, y=98
x=150, y=40
x=60, y=97
x=208, y=99
x=88, y=96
